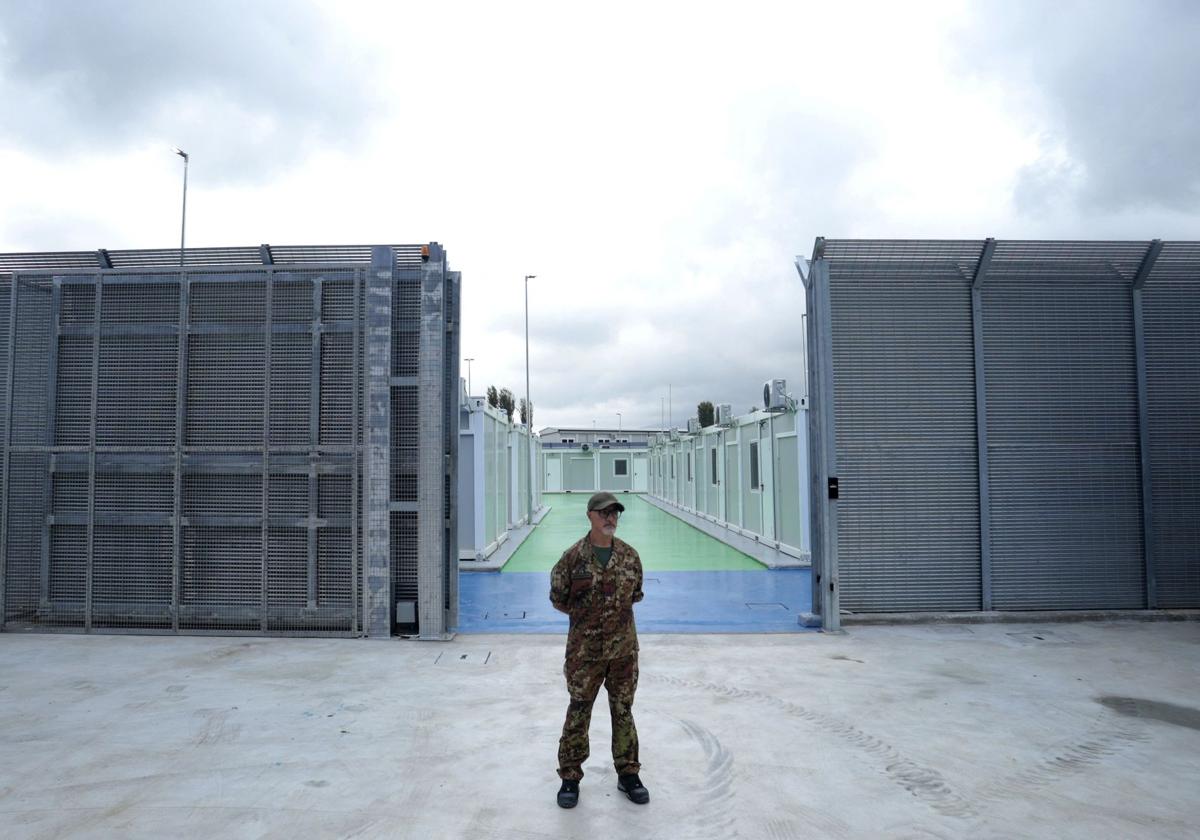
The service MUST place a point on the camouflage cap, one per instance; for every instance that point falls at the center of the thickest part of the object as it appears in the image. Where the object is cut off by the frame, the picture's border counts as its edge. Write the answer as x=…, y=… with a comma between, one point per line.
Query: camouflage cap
x=603, y=501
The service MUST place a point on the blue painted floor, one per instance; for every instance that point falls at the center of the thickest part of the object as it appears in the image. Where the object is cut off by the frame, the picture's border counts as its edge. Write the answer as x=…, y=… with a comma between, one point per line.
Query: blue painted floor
x=676, y=602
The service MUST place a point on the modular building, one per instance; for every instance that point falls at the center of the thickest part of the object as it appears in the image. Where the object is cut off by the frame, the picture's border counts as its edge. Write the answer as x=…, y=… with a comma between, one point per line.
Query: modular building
x=748, y=474
x=1002, y=425
x=496, y=463
x=230, y=440
x=584, y=468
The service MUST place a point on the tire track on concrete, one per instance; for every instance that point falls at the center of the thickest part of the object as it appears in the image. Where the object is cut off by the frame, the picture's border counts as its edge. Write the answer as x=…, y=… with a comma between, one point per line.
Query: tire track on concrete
x=716, y=817
x=1109, y=734
x=925, y=783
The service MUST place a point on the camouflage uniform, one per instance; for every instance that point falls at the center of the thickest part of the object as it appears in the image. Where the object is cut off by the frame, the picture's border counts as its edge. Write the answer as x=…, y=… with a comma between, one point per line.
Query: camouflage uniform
x=602, y=648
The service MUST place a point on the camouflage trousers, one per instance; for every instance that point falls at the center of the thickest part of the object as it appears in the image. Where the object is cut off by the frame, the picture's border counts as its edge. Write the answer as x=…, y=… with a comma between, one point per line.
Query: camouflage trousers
x=619, y=678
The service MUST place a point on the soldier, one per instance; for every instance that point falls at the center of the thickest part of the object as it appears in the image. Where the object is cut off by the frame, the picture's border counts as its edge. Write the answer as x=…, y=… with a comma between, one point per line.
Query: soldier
x=596, y=582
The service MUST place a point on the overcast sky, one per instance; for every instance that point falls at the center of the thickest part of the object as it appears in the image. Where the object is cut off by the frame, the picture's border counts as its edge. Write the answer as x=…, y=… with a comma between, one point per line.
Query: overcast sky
x=658, y=166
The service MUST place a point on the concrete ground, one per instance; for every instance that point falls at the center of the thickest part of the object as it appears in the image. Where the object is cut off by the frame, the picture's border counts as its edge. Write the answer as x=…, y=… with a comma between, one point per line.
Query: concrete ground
x=694, y=582
x=941, y=731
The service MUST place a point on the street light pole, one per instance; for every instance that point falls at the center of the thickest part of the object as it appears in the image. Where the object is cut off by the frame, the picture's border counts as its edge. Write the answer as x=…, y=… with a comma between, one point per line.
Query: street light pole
x=528, y=409
x=618, y=422
x=183, y=222
x=468, y=361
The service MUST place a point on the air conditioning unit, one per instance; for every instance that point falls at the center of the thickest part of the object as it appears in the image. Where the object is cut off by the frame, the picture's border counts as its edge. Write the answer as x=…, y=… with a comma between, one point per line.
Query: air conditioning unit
x=674, y=434
x=775, y=395
x=693, y=425
x=724, y=414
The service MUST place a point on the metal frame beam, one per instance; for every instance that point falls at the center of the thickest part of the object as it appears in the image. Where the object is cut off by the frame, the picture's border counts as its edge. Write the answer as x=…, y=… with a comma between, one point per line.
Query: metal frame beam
x=981, y=438
x=268, y=340
x=91, y=523
x=217, y=273
x=51, y=430
x=433, y=459
x=314, y=438
x=8, y=418
x=133, y=330
x=181, y=395
x=358, y=582
x=453, y=313
x=377, y=494
x=826, y=588
x=1143, y=413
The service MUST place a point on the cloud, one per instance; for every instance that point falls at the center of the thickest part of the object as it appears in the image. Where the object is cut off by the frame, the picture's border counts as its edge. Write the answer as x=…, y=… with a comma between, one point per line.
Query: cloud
x=657, y=176
x=247, y=88
x=1111, y=87
x=711, y=304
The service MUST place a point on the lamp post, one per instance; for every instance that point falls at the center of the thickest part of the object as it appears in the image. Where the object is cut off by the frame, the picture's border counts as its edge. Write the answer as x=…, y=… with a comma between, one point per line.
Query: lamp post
x=183, y=222
x=468, y=361
x=528, y=409
x=618, y=422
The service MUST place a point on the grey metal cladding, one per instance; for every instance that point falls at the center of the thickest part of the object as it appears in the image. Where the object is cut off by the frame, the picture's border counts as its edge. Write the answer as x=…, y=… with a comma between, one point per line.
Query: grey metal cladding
x=1171, y=306
x=1091, y=482
x=185, y=453
x=1062, y=428
x=908, y=510
x=432, y=458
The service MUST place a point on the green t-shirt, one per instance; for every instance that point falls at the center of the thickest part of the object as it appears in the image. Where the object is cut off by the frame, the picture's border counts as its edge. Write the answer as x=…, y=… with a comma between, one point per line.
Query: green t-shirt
x=603, y=555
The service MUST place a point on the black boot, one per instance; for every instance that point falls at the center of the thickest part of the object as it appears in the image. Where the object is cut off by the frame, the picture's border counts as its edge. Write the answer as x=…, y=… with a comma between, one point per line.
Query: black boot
x=632, y=787
x=568, y=794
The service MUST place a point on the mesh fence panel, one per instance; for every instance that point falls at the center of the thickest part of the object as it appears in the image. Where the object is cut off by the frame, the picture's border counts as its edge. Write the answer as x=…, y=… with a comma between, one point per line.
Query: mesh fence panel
x=183, y=450
x=100, y=460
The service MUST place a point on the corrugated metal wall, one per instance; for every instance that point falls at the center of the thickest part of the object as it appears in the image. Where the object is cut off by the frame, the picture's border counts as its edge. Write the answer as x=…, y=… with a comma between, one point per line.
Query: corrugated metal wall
x=1171, y=301
x=989, y=449
x=905, y=403
x=184, y=447
x=1062, y=427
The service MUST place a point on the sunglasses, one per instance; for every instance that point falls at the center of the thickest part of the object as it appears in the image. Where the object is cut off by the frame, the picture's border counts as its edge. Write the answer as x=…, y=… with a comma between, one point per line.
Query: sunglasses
x=608, y=513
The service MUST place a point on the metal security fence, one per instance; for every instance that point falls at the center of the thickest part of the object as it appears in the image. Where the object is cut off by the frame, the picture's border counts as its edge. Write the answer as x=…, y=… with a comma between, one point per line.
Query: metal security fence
x=188, y=449
x=1004, y=425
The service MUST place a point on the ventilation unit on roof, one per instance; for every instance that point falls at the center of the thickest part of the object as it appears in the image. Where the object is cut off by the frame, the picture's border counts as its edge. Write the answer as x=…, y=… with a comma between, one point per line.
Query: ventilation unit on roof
x=775, y=395
x=724, y=414
x=693, y=425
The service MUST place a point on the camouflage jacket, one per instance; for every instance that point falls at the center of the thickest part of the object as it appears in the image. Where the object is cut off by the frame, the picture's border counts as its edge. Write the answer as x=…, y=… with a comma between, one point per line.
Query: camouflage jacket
x=598, y=599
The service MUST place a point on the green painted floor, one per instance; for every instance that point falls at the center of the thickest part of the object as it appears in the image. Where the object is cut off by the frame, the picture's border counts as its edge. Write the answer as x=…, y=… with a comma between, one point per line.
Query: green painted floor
x=666, y=544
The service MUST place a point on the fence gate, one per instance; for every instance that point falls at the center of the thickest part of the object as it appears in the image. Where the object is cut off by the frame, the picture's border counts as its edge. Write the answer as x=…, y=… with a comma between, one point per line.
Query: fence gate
x=1005, y=425
x=185, y=450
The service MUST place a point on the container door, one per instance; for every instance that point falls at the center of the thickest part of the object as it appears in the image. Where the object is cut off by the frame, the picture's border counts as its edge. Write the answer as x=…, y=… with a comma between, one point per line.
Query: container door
x=553, y=474
x=641, y=467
